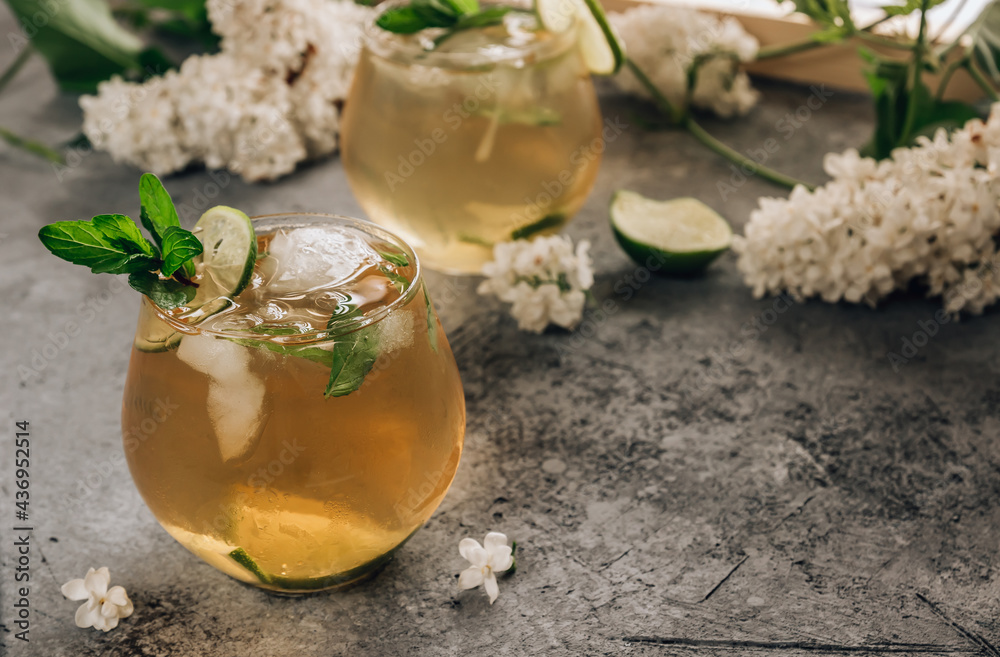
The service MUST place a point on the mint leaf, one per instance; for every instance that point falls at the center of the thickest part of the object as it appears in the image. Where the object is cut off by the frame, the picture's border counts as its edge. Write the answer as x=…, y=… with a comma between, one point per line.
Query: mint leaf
x=484, y=18
x=354, y=357
x=85, y=243
x=401, y=282
x=166, y=294
x=179, y=246
x=402, y=20
x=122, y=231
x=398, y=259
x=466, y=6
x=157, y=209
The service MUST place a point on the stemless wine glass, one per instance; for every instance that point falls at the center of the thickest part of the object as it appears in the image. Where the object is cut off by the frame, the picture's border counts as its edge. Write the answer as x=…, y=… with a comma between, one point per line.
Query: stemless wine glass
x=493, y=134
x=297, y=437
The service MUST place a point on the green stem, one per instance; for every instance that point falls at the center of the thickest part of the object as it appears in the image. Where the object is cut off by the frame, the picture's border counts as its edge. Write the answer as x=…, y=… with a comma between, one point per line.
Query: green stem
x=981, y=80
x=15, y=67
x=884, y=41
x=664, y=104
x=807, y=44
x=916, y=66
x=736, y=157
x=35, y=147
x=946, y=78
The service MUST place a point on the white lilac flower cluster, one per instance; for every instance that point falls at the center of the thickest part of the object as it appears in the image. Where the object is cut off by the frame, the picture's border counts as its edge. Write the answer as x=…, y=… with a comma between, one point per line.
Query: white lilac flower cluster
x=545, y=279
x=930, y=215
x=664, y=42
x=270, y=98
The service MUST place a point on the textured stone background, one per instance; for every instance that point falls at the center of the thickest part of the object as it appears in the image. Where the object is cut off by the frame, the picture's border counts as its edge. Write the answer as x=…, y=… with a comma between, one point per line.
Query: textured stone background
x=678, y=484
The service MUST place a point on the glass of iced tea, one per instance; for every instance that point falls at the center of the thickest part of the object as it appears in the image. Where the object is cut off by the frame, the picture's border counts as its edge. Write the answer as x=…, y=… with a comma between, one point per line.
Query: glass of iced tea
x=490, y=134
x=296, y=435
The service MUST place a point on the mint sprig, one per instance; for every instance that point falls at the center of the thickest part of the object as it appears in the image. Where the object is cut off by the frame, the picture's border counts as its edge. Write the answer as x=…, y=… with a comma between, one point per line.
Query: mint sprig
x=113, y=244
x=452, y=15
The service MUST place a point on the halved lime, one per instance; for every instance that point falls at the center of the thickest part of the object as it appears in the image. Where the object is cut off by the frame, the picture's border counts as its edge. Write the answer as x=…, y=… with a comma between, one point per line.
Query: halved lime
x=681, y=236
x=230, y=253
x=600, y=46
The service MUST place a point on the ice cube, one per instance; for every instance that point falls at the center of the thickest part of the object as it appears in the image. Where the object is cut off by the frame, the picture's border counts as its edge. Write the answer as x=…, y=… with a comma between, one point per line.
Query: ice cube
x=395, y=331
x=235, y=396
x=309, y=258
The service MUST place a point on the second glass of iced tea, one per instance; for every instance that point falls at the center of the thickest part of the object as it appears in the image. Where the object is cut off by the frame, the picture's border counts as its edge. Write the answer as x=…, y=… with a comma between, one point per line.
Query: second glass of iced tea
x=296, y=435
x=488, y=135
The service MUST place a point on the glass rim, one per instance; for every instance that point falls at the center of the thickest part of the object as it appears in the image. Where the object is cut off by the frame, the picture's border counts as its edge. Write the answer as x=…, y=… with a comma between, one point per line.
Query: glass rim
x=390, y=46
x=318, y=335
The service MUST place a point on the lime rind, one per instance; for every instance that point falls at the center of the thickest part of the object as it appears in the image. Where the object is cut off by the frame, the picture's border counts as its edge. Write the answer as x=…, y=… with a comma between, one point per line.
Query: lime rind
x=230, y=253
x=677, y=237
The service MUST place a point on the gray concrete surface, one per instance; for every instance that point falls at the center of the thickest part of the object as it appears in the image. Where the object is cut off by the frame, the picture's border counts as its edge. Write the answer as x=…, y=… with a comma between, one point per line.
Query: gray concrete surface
x=678, y=484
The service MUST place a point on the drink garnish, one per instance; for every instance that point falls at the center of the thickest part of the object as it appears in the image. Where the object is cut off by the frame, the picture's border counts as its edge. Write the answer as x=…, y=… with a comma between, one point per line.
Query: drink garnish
x=174, y=269
x=452, y=15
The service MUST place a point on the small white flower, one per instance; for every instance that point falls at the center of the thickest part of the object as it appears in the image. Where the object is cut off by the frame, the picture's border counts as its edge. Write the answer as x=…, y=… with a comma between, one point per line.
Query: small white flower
x=103, y=606
x=493, y=557
x=545, y=280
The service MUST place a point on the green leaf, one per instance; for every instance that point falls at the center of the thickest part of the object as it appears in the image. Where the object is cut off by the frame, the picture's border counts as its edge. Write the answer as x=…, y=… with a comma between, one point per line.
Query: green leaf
x=179, y=247
x=84, y=243
x=462, y=7
x=354, y=356
x=166, y=294
x=80, y=40
x=157, y=208
x=402, y=20
x=123, y=231
x=484, y=18
x=401, y=282
x=548, y=221
x=397, y=258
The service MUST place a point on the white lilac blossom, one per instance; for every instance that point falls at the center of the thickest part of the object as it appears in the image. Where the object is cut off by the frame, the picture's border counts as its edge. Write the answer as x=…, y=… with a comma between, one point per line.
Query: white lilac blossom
x=544, y=279
x=492, y=557
x=103, y=606
x=928, y=215
x=269, y=99
x=664, y=42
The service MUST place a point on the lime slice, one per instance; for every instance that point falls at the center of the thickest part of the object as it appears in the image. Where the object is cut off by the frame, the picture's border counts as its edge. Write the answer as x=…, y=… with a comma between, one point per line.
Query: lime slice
x=681, y=236
x=600, y=46
x=229, y=256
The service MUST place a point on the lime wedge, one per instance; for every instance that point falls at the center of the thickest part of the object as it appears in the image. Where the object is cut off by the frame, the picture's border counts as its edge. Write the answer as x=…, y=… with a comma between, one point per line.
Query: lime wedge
x=681, y=236
x=229, y=256
x=599, y=44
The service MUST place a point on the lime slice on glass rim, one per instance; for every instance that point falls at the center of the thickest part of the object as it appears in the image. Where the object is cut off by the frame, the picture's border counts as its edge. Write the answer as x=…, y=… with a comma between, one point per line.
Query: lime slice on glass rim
x=226, y=267
x=599, y=44
x=682, y=236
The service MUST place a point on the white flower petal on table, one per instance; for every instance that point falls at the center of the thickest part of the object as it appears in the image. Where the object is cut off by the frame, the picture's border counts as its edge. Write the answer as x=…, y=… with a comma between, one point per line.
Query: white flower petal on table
x=470, y=578
x=75, y=589
x=97, y=581
x=492, y=589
